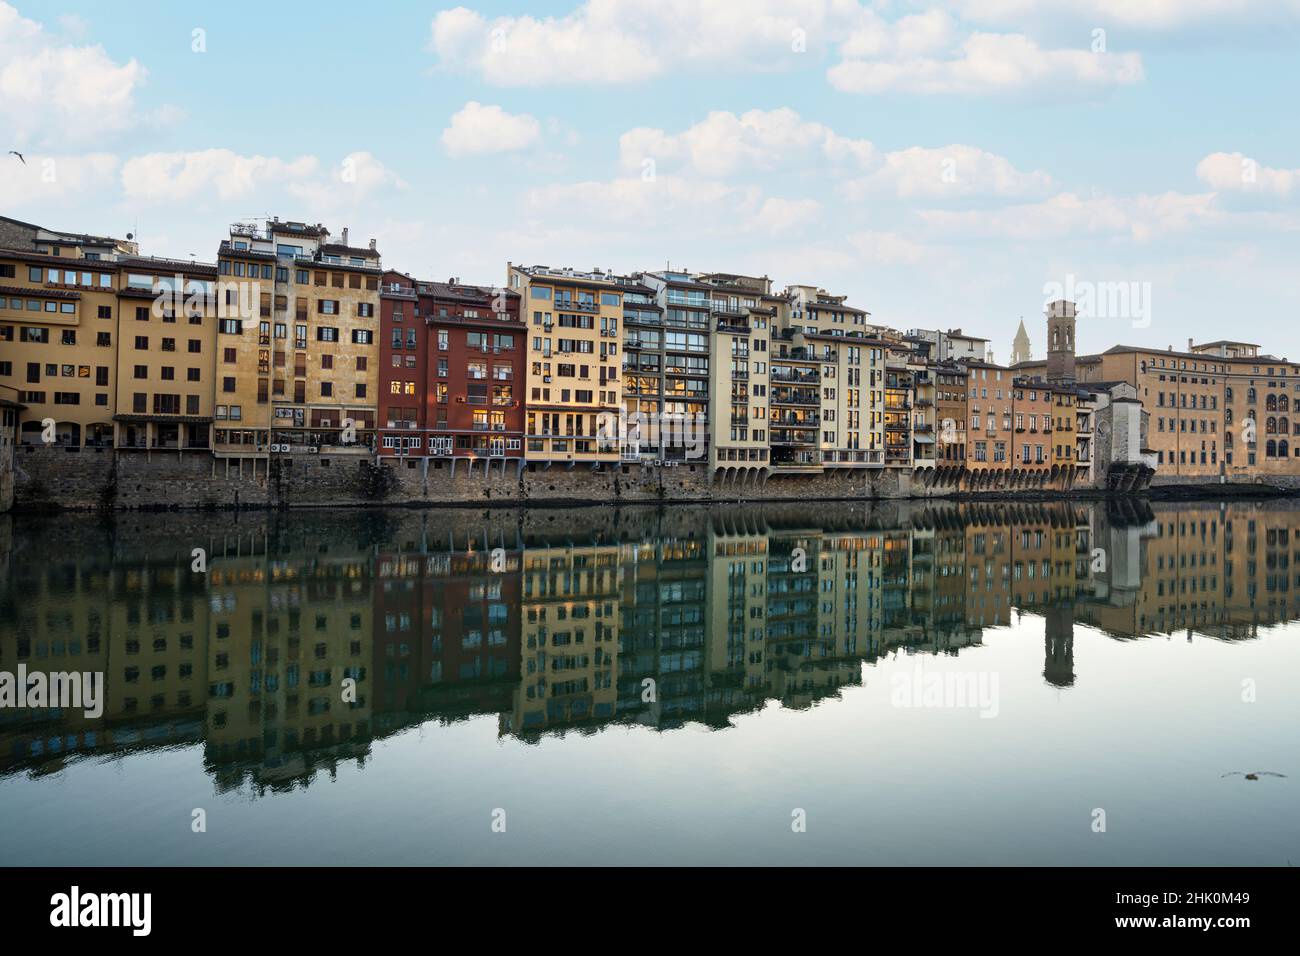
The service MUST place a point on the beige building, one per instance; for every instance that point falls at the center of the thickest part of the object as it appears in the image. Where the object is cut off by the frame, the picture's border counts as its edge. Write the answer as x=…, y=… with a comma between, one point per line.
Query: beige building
x=298, y=352
x=744, y=314
x=167, y=331
x=58, y=332
x=573, y=378
x=569, y=637
x=851, y=360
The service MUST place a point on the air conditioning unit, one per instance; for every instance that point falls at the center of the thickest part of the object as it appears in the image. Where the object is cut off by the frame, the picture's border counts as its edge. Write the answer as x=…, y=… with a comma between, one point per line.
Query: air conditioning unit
x=313, y=449
x=275, y=447
x=546, y=378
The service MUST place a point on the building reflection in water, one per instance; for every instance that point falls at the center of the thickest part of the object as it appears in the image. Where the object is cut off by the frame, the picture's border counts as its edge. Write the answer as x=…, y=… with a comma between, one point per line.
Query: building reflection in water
x=567, y=621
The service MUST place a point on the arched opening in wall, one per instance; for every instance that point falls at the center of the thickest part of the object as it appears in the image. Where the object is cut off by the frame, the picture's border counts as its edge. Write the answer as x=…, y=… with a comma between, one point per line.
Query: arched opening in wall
x=99, y=435
x=30, y=434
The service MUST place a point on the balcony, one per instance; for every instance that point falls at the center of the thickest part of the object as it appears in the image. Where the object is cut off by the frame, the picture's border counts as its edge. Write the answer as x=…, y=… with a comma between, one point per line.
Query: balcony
x=793, y=421
x=783, y=435
x=567, y=306
x=803, y=378
x=854, y=457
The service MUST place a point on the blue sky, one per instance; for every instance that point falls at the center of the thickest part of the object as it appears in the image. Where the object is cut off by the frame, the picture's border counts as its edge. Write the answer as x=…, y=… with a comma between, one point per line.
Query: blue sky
x=940, y=164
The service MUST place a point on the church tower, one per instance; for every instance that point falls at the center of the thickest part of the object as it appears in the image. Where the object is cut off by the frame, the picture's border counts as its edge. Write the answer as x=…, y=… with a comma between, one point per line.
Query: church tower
x=1020, y=351
x=1060, y=342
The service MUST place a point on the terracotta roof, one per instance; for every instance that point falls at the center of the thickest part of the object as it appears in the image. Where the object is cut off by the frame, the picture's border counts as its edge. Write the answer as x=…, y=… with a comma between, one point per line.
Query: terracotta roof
x=183, y=266
x=338, y=249
x=47, y=293
x=86, y=265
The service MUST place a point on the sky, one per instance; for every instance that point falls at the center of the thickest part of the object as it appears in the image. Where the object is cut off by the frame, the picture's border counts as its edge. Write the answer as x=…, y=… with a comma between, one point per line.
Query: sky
x=942, y=165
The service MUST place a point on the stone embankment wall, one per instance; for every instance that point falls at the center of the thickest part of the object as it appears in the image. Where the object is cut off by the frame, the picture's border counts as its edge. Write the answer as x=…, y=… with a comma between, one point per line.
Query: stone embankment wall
x=53, y=478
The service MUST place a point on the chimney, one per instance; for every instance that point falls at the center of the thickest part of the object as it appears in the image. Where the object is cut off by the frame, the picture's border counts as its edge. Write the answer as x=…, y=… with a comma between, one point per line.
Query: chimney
x=345, y=235
x=1189, y=345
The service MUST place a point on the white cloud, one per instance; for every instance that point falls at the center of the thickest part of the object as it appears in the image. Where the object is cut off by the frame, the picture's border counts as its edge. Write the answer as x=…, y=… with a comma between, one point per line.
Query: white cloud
x=1135, y=14
x=979, y=63
x=724, y=144
x=1236, y=172
x=365, y=174
x=1067, y=215
x=477, y=129
x=584, y=47
x=628, y=41
x=782, y=216
x=948, y=172
x=635, y=204
x=55, y=93
x=56, y=179
x=209, y=173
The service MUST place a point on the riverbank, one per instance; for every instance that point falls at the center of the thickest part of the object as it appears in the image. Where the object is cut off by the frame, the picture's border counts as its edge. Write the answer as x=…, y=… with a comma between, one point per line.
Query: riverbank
x=55, y=479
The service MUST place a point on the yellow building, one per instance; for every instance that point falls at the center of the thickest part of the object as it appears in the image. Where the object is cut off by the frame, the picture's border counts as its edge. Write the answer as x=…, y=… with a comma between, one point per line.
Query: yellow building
x=573, y=377
x=745, y=312
x=283, y=637
x=851, y=392
x=569, y=638
x=298, y=359
x=58, y=331
x=167, y=332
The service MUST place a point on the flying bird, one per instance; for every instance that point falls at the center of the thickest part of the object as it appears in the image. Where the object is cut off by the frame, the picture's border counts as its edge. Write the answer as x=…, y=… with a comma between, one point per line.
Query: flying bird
x=14, y=152
x=1254, y=774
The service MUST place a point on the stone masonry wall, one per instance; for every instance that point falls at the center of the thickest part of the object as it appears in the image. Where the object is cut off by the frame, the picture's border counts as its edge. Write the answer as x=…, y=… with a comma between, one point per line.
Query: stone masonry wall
x=85, y=480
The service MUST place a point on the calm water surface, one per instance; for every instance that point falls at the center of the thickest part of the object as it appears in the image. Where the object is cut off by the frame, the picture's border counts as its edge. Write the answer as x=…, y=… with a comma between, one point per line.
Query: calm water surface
x=938, y=684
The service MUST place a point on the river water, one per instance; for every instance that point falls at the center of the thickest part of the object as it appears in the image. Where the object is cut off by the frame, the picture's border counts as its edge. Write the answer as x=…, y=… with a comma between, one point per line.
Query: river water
x=1073, y=684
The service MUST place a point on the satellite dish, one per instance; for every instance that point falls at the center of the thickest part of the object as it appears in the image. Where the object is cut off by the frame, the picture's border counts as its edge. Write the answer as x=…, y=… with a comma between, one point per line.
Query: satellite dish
x=129, y=236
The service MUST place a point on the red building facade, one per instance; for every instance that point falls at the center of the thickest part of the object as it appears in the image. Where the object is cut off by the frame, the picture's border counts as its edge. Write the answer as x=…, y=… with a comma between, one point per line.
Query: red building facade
x=402, y=368
x=452, y=371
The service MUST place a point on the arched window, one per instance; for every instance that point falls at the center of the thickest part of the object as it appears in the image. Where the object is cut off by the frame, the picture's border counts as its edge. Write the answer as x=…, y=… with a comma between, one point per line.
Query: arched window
x=1270, y=403
x=1250, y=396
x=1227, y=416
x=1270, y=449
x=1228, y=439
x=1282, y=448
x=1270, y=425
x=1283, y=403
x=1283, y=426
x=1227, y=394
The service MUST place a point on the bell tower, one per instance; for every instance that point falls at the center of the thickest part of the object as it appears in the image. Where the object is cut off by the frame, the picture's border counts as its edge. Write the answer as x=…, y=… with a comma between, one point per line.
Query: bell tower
x=1060, y=342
